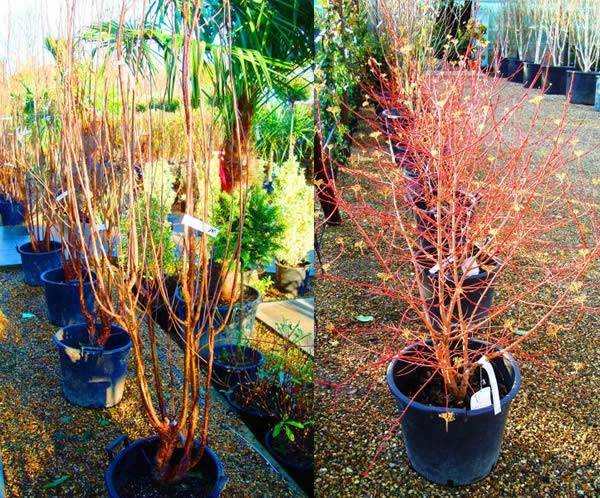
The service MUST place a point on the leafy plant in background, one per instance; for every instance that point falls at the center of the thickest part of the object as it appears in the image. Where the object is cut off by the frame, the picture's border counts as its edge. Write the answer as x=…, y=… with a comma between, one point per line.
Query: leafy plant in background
x=157, y=185
x=262, y=233
x=295, y=201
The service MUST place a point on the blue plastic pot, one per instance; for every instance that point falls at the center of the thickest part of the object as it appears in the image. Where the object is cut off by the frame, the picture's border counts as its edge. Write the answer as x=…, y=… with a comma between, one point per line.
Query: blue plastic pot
x=241, y=320
x=597, y=104
x=300, y=468
x=465, y=450
x=134, y=463
x=36, y=263
x=62, y=298
x=92, y=376
x=226, y=373
x=11, y=212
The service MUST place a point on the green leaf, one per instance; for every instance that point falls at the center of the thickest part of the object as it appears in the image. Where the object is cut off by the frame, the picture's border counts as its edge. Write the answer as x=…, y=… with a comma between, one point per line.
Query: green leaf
x=56, y=482
x=289, y=433
x=66, y=419
x=26, y=316
x=520, y=332
x=277, y=429
x=295, y=423
x=364, y=318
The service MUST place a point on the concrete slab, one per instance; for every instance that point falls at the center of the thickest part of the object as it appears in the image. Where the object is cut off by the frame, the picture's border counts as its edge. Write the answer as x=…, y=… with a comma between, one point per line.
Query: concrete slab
x=10, y=238
x=295, y=311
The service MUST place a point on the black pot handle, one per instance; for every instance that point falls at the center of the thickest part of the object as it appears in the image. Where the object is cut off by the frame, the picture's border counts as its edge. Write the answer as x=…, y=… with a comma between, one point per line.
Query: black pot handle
x=116, y=444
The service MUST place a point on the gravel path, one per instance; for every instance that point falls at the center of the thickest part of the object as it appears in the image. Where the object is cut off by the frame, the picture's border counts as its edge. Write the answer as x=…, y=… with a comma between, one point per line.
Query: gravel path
x=552, y=440
x=43, y=437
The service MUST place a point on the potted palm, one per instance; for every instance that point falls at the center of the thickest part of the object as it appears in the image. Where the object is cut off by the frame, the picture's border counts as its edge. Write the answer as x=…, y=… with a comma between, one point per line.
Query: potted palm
x=453, y=374
x=581, y=84
x=294, y=199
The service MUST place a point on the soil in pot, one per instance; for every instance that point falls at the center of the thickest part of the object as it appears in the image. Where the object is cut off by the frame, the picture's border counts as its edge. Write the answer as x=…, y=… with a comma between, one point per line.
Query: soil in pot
x=63, y=298
x=445, y=444
x=129, y=475
x=581, y=87
x=34, y=263
x=256, y=405
x=235, y=364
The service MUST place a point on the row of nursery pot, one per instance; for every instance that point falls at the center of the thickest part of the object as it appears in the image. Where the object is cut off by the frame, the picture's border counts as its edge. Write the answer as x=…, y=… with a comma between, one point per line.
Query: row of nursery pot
x=580, y=87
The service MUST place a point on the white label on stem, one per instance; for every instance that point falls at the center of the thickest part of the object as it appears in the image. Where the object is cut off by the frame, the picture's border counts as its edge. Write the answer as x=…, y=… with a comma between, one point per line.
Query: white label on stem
x=487, y=366
x=60, y=197
x=470, y=267
x=199, y=225
x=436, y=268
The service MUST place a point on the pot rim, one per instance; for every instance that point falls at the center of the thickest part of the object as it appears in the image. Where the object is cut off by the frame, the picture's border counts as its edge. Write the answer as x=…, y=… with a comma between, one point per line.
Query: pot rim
x=302, y=265
x=251, y=411
x=480, y=276
x=259, y=361
x=54, y=243
x=577, y=71
x=463, y=412
x=45, y=278
x=221, y=477
x=57, y=338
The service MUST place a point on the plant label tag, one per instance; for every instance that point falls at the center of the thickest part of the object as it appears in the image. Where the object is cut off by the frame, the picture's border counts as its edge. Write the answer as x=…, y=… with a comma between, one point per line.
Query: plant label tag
x=199, y=225
x=100, y=227
x=482, y=398
x=60, y=197
x=487, y=366
x=470, y=267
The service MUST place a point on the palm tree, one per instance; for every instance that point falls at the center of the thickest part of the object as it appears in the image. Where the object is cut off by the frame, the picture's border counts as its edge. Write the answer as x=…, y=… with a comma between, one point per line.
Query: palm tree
x=249, y=52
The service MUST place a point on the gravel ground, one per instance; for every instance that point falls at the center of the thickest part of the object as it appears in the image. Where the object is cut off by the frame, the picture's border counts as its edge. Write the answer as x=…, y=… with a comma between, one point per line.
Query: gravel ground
x=552, y=439
x=43, y=437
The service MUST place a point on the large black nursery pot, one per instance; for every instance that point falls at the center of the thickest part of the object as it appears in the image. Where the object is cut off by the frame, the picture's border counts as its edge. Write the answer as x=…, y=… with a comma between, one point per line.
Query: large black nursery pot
x=291, y=279
x=260, y=421
x=11, y=212
x=511, y=68
x=554, y=79
x=464, y=450
x=477, y=293
x=597, y=105
x=63, y=298
x=300, y=468
x=133, y=465
x=241, y=321
x=530, y=73
x=92, y=376
x=35, y=263
x=581, y=87
x=234, y=364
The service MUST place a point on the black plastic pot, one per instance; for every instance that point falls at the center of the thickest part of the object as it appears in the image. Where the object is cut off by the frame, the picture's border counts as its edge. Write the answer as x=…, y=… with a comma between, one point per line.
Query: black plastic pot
x=597, y=106
x=241, y=320
x=258, y=420
x=581, y=87
x=290, y=279
x=92, y=376
x=511, y=68
x=62, y=298
x=302, y=470
x=36, y=263
x=460, y=452
x=11, y=212
x=531, y=72
x=554, y=79
x=134, y=463
x=226, y=373
x=476, y=299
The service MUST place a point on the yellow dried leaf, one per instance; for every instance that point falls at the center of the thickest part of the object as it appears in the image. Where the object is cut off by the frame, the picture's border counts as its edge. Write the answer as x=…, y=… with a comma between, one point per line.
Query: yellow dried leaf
x=537, y=99
x=375, y=134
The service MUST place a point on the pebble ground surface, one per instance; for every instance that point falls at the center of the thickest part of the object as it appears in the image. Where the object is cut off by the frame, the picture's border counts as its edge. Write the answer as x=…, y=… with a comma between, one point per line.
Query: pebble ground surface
x=552, y=440
x=43, y=438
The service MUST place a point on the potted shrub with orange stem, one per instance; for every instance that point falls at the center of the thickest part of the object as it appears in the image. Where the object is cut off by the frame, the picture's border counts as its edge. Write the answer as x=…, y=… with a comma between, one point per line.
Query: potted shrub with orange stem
x=178, y=455
x=504, y=218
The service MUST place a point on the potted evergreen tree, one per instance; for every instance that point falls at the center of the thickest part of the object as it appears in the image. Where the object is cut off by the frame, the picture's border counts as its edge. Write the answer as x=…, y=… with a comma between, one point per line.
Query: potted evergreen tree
x=294, y=199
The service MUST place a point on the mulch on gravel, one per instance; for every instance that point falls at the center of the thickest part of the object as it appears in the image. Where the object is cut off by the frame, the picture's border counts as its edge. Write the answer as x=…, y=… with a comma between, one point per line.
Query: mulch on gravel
x=44, y=439
x=552, y=441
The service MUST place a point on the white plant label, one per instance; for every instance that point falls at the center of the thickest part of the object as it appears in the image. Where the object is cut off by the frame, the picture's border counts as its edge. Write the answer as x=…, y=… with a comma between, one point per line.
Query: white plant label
x=487, y=366
x=100, y=227
x=481, y=399
x=199, y=225
x=471, y=267
x=436, y=268
x=60, y=197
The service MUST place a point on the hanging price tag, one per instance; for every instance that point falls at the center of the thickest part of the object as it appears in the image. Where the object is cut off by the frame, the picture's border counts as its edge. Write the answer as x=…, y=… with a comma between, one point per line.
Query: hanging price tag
x=199, y=225
x=60, y=197
x=487, y=366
